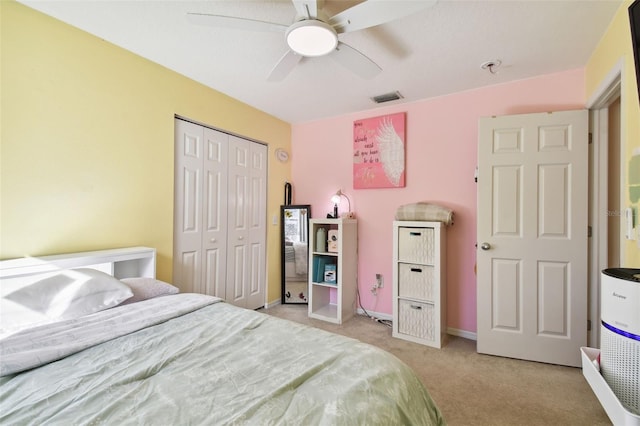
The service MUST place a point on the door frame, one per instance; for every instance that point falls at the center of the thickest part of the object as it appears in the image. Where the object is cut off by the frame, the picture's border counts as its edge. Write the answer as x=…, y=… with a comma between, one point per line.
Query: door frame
x=611, y=88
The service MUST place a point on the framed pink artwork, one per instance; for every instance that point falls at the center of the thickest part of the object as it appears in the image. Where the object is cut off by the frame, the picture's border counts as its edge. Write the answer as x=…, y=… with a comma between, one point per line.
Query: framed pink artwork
x=378, y=152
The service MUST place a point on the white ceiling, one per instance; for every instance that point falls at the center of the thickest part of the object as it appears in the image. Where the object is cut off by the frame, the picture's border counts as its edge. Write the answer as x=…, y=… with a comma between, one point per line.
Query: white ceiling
x=431, y=53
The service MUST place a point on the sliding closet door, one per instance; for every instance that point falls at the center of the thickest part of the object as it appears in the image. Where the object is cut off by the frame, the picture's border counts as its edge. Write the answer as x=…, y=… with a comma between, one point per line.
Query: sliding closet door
x=246, y=223
x=187, y=229
x=220, y=215
x=257, y=226
x=214, y=212
x=200, y=209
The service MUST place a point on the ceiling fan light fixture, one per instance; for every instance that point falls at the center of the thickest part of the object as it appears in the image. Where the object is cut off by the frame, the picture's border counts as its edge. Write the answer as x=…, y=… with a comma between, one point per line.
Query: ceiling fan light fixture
x=311, y=38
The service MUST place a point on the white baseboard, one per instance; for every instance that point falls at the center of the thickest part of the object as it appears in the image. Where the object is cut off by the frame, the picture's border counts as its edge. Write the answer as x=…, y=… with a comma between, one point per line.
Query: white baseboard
x=452, y=331
x=462, y=333
x=378, y=315
x=272, y=304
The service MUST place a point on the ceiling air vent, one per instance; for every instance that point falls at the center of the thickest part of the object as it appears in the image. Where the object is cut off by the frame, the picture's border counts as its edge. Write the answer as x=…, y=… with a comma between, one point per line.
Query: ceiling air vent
x=387, y=97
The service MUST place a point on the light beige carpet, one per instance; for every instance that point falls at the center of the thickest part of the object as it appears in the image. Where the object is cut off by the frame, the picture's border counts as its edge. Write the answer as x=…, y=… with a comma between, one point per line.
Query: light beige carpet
x=474, y=389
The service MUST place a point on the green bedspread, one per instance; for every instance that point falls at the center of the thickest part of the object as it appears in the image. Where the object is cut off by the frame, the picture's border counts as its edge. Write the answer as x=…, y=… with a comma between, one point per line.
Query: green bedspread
x=216, y=365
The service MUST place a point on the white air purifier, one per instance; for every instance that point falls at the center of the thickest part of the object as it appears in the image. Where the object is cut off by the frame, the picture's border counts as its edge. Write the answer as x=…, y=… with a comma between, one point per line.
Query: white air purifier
x=620, y=334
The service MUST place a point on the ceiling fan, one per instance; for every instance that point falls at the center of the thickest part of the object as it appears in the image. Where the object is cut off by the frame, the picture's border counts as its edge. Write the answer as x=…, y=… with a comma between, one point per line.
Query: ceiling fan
x=315, y=34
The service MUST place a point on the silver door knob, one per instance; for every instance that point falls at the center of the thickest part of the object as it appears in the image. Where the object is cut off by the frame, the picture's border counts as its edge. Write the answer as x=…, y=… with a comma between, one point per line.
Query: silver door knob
x=213, y=240
x=485, y=246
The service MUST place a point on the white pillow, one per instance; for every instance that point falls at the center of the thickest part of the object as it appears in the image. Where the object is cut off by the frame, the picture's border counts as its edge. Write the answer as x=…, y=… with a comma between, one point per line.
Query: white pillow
x=147, y=288
x=62, y=294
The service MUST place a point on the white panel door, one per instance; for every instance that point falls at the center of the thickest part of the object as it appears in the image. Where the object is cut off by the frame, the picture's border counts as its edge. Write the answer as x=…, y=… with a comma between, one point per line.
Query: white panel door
x=220, y=215
x=256, y=293
x=532, y=236
x=200, y=208
x=187, y=230
x=246, y=223
x=238, y=222
x=214, y=212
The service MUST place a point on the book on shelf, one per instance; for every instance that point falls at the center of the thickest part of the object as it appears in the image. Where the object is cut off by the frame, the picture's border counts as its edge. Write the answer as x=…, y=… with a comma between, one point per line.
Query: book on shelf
x=324, y=270
x=318, y=270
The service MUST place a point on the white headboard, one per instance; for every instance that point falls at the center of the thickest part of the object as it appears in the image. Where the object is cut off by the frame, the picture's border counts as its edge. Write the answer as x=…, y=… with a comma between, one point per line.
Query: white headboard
x=121, y=263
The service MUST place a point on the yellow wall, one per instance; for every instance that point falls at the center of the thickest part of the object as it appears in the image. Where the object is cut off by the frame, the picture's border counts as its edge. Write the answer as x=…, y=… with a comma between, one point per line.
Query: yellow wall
x=616, y=44
x=86, y=143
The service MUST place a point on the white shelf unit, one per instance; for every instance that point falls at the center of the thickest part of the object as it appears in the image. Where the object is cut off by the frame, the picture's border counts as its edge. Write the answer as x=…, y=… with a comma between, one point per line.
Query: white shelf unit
x=121, y=263
x=419, y=282
x=333, y=302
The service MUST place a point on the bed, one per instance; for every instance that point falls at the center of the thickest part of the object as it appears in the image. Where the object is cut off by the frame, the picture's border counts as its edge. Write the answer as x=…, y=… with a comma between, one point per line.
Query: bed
x=184, y=358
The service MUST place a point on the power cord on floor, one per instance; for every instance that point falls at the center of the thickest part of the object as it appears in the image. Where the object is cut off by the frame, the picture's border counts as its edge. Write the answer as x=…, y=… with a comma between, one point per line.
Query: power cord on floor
x=386, y=322
x=360, y=304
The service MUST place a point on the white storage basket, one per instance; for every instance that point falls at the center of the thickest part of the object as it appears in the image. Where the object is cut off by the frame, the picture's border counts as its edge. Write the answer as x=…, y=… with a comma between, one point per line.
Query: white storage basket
x=415, y=281
x=416, y=245
x=416, y=319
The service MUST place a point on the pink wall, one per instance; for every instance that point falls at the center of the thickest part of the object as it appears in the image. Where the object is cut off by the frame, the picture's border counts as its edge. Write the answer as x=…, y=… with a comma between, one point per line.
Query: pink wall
x=441, y=149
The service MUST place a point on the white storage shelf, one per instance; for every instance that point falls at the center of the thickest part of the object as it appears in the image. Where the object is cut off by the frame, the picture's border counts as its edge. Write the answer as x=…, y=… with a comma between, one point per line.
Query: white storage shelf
x=419, y=290
x=121, y=263
x=333, y=301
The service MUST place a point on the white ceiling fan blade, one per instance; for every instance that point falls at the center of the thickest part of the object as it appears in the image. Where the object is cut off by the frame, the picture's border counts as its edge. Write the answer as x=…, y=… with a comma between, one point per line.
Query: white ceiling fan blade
x=284, y=66
x=233, y=22
x=355, y=61
x=375, y=12
x=307, y=8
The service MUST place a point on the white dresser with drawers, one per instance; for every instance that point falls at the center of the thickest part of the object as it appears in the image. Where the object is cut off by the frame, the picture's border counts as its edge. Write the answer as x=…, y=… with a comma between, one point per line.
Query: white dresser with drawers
x=419, y=282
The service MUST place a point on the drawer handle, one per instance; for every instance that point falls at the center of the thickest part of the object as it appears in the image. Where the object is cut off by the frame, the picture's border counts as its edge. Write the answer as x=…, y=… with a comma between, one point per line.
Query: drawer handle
x=415, y=234
x=419, y=308
x=416, y=270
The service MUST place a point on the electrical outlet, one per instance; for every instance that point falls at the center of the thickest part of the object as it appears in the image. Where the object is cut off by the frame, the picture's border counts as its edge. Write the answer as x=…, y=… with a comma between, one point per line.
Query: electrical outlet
x=378, y=284
x=379, y=281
